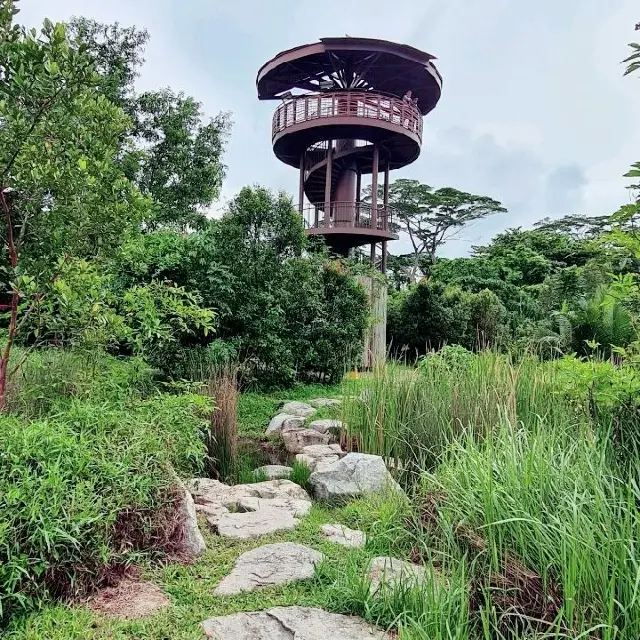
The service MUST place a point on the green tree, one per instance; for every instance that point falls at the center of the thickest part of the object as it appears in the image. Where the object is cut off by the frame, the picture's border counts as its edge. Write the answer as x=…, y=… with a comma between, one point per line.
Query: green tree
x=432, y=217
x=179, y=157
x=171, y=151
x=53, y=158
x=117, y=53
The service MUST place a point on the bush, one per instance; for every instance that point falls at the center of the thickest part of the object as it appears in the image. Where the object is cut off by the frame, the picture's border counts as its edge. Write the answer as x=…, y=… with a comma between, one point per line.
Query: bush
x=429, y=315
x=86, y=489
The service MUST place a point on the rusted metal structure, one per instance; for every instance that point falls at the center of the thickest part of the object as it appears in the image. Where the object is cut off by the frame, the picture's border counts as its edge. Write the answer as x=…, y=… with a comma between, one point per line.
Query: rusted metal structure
x=350, y=107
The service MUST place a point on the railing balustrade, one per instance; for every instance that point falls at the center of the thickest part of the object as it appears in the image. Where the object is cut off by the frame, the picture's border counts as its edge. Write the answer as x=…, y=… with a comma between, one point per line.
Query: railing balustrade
x=348, y=103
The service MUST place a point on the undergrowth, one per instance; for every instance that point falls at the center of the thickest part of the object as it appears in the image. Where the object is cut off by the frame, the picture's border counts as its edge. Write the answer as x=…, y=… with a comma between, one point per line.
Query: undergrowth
x=85, y=485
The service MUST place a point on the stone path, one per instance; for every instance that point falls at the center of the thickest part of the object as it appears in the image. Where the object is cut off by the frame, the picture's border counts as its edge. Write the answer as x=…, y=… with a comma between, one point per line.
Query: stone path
x=270, y=565
x=254, y=510
x=250, y=510
x=291, y=623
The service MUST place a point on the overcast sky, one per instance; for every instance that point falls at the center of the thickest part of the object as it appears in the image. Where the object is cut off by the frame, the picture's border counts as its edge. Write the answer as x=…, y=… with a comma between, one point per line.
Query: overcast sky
x=534, y=109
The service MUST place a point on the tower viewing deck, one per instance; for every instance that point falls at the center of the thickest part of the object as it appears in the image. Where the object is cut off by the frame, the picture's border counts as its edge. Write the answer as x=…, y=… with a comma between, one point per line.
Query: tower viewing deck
x=350, y=107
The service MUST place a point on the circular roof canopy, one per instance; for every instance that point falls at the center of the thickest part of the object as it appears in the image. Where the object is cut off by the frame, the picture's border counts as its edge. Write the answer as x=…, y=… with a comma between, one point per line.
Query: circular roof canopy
x=362, y=64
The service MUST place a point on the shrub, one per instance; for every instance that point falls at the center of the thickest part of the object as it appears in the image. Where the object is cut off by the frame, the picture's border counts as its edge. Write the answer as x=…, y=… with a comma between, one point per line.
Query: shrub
x=86, y=488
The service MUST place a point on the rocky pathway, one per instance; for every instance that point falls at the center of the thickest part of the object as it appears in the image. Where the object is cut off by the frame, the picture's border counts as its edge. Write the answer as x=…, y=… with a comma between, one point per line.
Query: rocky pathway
x=250, y=512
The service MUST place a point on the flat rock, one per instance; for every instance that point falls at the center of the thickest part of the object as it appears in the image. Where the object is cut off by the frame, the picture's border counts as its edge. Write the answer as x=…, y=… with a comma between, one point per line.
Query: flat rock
x=295, y=440
x=343, y=535
x=297, y=508
x=212, y=511
x=300, y=409
x=269, y=565
x=206, y=491
x=325, y=402
x=253, y=524
x=354, y=475
x=386, y=573
x=290, y=623
x=319, y=457
x=325, y=426
x=189, y=540
x=273, y=472
x=275, y=426
x=319, y=450
x=294, y=422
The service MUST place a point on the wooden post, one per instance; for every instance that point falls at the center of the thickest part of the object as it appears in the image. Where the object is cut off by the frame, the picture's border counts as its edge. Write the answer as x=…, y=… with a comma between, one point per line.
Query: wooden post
x=327, y=183
x=358, y=189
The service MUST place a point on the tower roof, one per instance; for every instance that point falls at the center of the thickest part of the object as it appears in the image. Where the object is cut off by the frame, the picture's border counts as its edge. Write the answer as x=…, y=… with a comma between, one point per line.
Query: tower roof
x=358, y=64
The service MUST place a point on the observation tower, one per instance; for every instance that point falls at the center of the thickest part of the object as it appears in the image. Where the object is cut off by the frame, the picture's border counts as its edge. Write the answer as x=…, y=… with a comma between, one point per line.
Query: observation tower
x=349, y=107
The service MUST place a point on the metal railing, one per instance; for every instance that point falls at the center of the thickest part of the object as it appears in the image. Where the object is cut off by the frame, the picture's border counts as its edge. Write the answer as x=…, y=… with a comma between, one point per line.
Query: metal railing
x=358, y=104
x=349, y=215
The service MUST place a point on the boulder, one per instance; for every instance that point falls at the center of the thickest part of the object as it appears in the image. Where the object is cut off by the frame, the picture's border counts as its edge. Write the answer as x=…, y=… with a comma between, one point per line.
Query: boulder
x=326, y=426
x=273, y=472
x=189, y=540
x=317, y=464
x=343, y=535
x=290, y=623
x=299, y=409
x=269, y=565
x=295, y=440
x=277, y=422
x=354, y=475
x=253, y=524
x=325, y=402
x=319, y=450
x=390, y=573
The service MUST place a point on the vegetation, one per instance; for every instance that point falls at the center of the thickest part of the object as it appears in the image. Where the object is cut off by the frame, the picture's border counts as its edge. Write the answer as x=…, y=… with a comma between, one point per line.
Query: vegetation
x=141, y=341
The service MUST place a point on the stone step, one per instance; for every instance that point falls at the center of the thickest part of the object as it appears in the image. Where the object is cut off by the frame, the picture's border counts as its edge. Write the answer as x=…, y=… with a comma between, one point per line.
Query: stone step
x=291, y=623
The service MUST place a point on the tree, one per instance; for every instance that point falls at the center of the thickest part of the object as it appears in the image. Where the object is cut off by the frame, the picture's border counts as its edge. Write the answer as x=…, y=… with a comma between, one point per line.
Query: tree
x=171, y=152
x=633, y=65
x=431, y=218
x=577, y=226
x=61, y=190
x=179, y=157
x=116, y=52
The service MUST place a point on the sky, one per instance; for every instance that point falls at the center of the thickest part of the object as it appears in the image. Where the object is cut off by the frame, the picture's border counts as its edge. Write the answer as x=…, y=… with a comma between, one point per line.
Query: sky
x=534, y=109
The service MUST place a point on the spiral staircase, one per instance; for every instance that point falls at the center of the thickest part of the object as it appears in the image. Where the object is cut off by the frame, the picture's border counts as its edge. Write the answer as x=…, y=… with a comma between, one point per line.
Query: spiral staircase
x=357, y=112
x=350, y=107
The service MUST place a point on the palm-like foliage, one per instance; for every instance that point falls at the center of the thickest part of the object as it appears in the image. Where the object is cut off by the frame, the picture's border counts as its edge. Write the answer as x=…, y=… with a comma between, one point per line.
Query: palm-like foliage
x=603, y=320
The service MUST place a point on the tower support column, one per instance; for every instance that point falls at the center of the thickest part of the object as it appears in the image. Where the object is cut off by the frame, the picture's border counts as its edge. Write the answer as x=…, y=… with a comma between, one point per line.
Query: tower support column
x=301, y=186
x=386, y=214
x=327, y=184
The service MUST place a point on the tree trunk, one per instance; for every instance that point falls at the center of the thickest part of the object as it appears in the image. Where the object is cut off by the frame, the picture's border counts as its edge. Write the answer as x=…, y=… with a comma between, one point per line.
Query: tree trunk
x=15, y=296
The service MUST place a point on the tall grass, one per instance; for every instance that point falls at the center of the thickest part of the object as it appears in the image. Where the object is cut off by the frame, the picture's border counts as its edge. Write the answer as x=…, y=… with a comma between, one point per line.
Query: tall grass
x=552, y=497
x=222, y=439
x=86, y=486
x=516, y=484
x=412, y=414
